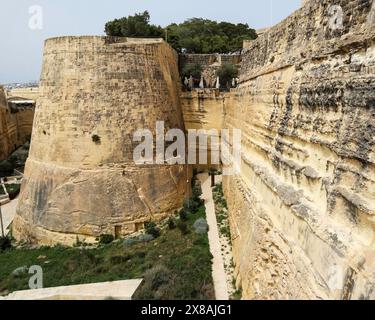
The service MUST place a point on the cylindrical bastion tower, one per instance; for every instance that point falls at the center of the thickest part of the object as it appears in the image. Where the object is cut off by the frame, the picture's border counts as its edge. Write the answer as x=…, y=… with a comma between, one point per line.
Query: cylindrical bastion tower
x=80, y=179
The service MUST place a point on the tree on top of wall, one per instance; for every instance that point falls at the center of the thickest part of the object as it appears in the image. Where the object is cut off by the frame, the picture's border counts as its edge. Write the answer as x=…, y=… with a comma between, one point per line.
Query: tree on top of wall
x=134, y=26
x=195, y=35
x=194, y=70
x=198, y=35
x=227, y=73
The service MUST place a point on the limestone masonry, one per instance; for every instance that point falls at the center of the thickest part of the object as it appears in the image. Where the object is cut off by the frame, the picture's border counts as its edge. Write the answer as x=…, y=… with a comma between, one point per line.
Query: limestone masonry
x=77, y=186
x=301, y=211
x=16, y=122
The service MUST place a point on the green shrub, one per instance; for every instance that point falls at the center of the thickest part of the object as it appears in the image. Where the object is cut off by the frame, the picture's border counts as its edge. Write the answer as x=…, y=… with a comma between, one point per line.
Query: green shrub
x=5, y=243
x=13, y=190
x=183, y=215
x=226, y=73
x=6, y=168
x=171, y=223
x=194, y=70
x=156, y=284
x=134, y=26
x=106, y=239
x=152, y=229
x=145, y=238
x=197, y=193
x=190, y=205
x=199, y=35
x=200, y=226
x=183, y=227
x=129, y=242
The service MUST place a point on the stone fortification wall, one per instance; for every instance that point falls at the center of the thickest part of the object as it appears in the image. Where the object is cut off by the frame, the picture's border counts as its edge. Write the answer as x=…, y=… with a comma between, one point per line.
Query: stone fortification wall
x=302, y=209
x=80, y=179
x=15, y=125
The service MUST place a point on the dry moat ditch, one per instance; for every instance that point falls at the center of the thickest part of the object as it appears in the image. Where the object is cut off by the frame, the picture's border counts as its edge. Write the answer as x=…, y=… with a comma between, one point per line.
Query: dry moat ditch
x=172, y=257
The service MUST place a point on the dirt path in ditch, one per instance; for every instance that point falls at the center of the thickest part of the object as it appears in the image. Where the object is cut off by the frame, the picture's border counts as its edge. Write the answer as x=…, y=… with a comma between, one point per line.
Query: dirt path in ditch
x=218, y=271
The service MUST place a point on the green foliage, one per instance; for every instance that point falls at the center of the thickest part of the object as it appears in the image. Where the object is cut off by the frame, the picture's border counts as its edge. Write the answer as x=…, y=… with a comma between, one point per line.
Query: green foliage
x=13, y=190
x=134, y=26
x=195, y=35
x=156, y=284
x=171, y=223
x=152, y=229
x=6, y=168
x=5, y=243
x=225, y=230
x=106, y=239
x=183, y=227
x=198, y=35
x=201, y=226
x=190, y=205
x=145, y=237
x=183, y=215
x=226, y=73
x=219, y=196
x=194, y=70
x=181, y=265
x=197, y=193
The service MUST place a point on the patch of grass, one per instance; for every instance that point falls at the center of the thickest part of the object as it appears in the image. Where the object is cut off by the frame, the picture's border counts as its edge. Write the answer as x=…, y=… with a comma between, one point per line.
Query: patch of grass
x=174, y=266
x=221, y=210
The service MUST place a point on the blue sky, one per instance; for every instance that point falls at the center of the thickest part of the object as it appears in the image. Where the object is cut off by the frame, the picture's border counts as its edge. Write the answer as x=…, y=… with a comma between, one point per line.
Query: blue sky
x=21, y=48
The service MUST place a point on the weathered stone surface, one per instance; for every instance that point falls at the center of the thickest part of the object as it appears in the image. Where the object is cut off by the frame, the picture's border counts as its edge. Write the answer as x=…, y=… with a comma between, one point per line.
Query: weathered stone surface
x=74, y=187
x=204, y=110
x=15, y=126
x=302, y=209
